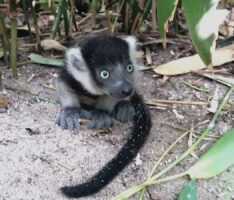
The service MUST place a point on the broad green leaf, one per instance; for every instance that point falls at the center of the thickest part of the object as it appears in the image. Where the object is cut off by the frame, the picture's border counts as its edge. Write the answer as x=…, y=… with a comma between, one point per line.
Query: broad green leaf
x=91, y=5
x=203, y=22
x=165, y=13
x=218, y=158
x=189, y=191
x=44, y=5
x=147, y=7
x=36, y=58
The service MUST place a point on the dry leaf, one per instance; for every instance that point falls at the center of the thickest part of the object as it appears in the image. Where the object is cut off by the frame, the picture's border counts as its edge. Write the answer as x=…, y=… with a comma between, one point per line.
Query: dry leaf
x=3, y=102
x=226, y=80
x=148, y=56
x=49, y=44
x=194, y=63
x=214, y=104
x=140, y=54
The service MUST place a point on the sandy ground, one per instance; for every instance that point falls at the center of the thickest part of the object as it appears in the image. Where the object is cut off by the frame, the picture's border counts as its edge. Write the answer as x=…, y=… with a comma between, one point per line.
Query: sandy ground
x=37, y=157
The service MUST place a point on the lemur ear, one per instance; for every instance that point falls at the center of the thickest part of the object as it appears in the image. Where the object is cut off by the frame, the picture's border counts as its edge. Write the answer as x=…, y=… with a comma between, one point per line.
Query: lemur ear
x=75, y=59
x=131, y=40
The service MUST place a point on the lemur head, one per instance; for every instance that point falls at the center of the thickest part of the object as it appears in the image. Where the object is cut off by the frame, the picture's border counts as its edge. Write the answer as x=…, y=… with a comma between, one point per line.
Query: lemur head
x=104, y=65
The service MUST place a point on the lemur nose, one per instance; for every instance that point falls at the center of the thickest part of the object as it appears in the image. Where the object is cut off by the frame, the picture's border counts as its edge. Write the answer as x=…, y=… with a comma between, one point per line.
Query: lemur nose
x=127, y=91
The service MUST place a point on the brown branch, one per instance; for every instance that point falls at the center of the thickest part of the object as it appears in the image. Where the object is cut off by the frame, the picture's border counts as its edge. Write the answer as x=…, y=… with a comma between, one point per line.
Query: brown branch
x=154, y=15
x=108, y=18
x=136, y=21
x=94, y=14
x=72, y=12
x=13, y=55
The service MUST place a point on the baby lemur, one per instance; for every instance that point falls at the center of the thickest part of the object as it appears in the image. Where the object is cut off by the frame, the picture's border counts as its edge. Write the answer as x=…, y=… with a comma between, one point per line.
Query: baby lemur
x=99, y=83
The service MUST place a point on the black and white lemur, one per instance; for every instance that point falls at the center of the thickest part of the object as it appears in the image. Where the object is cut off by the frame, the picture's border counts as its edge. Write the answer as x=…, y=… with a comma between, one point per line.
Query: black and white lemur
x=99, y=83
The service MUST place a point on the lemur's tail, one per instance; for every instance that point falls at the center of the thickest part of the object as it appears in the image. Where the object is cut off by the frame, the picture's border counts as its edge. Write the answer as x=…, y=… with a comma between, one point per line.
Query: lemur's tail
x=140, y=131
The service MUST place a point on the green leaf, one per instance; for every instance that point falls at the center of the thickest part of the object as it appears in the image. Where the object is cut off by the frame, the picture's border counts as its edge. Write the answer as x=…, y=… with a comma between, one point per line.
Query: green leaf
x=217, y=159
x=203, y=22
x=147, y=8
x=91, y=5
x=189, y=191
x=165, y=13
x=36, y=58
x=44, y=5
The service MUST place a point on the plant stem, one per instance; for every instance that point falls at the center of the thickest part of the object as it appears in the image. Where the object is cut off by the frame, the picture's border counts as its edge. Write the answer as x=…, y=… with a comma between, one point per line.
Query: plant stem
x=5, y=53
x=191, y=149
x=47, y=100
x=94, y=13
x=154, y=179
x=150, y=182
x=55, y=27
x=147, y=7
x=5, y=40
x=136, y=20
x=177, y=102
x=117, y=16
x=154, y=22
x=37, y=32
x=66, y=19
x=135, y=189
x=27, y=21
x=184, y=129
x=126, y=18
x=108, y=18
x=72, y=12
x=196, y=88
x=13, y=55
x=160, y=159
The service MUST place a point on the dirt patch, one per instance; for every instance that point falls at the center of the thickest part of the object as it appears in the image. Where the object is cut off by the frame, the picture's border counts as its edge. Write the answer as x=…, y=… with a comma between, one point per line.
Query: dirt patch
x=38, y=157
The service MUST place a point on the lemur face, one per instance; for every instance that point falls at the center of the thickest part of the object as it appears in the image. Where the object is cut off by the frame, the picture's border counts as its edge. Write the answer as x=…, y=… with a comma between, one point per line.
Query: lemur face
x=116, y=79
x=107, y=64
x=111, y=65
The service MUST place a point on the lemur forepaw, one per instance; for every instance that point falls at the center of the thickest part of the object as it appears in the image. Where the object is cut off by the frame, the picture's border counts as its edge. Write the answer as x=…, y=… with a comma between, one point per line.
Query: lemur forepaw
x=68, y=118
x=100, y=120
x=123, y=111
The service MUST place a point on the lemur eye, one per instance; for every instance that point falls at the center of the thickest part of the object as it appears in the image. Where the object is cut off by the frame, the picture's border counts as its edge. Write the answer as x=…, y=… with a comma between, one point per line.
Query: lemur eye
x=104, y=74
x=130, y=68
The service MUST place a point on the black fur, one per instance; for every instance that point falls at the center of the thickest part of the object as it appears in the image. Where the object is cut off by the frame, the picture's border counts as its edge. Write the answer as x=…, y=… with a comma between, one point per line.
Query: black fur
x=107, y=53
x=75, y=85
x=99, y=52
x=140, y=131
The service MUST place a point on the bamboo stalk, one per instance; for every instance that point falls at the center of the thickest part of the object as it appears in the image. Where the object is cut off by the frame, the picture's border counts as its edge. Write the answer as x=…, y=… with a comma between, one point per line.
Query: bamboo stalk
x=108, y=17
x=117, y=16
x=57, y=19
x=27, y=21
x=94, y=14
x=4, y=48
x=154, y=23
x=71, y=19
x=66, y=19
x=142, y=3
x=4, y=44
x=126, y=19
x=37, y=32
x=13, y=56
x=5, y=35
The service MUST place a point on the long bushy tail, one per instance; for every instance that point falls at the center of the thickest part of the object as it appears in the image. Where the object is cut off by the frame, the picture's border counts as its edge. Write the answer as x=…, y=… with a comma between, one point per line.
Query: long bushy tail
x=140, y=131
